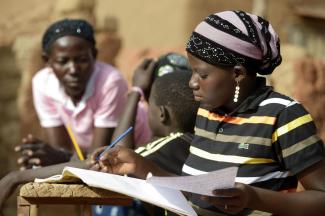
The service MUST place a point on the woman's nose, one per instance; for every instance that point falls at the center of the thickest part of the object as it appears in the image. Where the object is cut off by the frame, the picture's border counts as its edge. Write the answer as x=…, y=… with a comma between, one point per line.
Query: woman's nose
x=72, y=67
x=193, y=82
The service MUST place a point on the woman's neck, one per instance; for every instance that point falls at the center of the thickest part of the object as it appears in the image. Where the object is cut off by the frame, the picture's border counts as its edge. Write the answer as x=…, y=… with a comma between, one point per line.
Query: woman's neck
x=76, y=98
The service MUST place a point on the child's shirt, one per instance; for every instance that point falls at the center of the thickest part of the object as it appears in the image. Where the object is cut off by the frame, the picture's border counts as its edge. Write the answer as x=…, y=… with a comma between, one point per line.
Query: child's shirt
x=270, y=137
x=169, y=152
x=100, y=106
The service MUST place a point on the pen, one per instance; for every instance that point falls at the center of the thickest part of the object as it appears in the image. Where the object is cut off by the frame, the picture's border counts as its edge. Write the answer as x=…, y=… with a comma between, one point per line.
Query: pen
x=115, y=141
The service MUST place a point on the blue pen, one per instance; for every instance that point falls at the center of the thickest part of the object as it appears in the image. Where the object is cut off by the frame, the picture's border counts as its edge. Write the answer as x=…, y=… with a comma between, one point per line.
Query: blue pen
x=118, y=139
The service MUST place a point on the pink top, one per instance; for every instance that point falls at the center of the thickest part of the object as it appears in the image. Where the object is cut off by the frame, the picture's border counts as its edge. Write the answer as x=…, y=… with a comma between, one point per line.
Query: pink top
x=100, y=106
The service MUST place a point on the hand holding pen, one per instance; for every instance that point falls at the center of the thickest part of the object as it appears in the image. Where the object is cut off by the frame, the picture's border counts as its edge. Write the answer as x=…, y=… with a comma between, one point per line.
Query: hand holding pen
x=118, y=139
x=119, y=160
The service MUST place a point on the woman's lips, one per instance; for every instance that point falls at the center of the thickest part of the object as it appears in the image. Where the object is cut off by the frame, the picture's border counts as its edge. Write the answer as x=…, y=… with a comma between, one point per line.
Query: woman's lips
x=197, y=97
x=73, y=83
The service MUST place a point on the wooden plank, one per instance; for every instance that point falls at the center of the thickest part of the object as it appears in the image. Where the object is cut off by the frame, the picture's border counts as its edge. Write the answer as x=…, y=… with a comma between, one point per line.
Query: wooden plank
x=66, y=190
x=23, y=207
x=79, y=200
x=33, y=211
x=86, y=210
x=66, y=194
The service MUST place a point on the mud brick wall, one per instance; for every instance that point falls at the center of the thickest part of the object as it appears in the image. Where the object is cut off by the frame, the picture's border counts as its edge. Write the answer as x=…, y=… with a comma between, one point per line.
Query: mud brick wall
x=9, y=126
x=310, y=89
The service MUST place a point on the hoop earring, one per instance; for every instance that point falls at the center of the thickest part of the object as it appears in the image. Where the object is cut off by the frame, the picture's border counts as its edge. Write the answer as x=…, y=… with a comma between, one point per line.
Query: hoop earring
x=236, y=95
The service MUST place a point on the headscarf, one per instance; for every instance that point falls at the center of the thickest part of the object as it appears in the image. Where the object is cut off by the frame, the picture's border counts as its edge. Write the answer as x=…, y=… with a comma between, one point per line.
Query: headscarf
x=74, y=27
x=232, y=38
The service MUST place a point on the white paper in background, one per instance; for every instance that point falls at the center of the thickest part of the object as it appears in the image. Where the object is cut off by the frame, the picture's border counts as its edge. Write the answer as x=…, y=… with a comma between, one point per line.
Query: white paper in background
x=201, y=184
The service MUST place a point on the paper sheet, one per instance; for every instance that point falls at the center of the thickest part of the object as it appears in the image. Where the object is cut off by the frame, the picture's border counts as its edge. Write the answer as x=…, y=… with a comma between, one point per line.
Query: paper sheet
x=201, y=184
x=170, y=199
x=160, y=191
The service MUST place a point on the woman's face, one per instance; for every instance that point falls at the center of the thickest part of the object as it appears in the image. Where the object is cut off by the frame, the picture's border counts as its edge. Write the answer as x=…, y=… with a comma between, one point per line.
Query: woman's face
x=72, y=60
x=213, y=87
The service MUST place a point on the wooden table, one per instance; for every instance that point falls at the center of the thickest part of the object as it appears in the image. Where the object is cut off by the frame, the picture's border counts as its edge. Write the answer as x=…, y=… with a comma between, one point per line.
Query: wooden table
x=69, y=194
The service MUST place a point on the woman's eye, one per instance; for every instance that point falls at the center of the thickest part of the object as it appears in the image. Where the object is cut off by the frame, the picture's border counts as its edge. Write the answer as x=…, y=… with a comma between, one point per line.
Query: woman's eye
x=83, y=60
x=61, y=61
x=200, y=74
x=203, y=76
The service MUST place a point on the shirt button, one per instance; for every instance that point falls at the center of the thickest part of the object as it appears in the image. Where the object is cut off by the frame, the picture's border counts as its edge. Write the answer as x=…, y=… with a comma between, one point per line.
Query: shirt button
x=220, y=130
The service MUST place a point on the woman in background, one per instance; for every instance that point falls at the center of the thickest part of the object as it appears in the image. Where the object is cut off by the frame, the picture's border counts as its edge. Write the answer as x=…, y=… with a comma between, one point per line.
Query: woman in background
x=76, y=92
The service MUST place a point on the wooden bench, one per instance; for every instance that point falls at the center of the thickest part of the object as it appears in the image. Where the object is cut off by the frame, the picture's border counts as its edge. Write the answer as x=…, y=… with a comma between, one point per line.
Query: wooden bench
x=68, y=194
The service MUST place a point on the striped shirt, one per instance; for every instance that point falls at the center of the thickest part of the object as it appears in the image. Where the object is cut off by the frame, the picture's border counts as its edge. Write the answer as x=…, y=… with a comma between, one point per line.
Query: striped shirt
x=169, y=152
x=270, y=137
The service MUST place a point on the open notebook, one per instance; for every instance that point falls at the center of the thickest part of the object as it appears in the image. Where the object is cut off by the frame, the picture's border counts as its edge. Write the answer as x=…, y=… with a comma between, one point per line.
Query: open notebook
x=160, y=191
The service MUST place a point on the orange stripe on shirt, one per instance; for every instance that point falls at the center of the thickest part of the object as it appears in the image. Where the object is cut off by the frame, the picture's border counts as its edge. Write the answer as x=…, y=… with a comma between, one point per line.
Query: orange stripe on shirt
x=237, y=120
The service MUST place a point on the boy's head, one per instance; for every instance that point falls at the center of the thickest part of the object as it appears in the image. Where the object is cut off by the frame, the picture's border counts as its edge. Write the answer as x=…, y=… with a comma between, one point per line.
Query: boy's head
x=69, y=49
x=172, y=103
x=171, y=62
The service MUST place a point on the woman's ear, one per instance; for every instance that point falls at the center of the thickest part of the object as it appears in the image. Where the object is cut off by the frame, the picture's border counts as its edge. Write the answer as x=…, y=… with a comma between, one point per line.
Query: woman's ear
x=164, y=114
x=240, y=72
x=95, y=52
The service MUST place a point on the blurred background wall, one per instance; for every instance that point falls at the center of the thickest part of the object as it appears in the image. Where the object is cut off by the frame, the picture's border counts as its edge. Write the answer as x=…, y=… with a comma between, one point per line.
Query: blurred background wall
x=128, y=31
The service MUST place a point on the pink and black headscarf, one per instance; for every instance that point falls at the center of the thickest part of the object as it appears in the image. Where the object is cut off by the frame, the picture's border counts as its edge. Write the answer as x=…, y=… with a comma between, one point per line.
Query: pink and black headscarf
x=232, y=38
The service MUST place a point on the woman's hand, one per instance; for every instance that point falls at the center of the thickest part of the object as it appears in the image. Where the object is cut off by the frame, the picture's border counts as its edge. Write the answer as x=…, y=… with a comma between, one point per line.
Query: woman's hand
x=35, y=152
x=233, y=200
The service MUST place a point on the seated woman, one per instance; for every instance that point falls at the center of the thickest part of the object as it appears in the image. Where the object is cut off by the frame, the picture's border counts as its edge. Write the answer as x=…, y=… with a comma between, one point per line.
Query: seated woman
x=242, y=122
x=77, y=93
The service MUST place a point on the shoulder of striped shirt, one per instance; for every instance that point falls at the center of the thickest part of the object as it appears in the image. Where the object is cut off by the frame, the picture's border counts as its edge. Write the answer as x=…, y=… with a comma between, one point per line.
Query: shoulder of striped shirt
x=278, y=100
x=157, y=144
